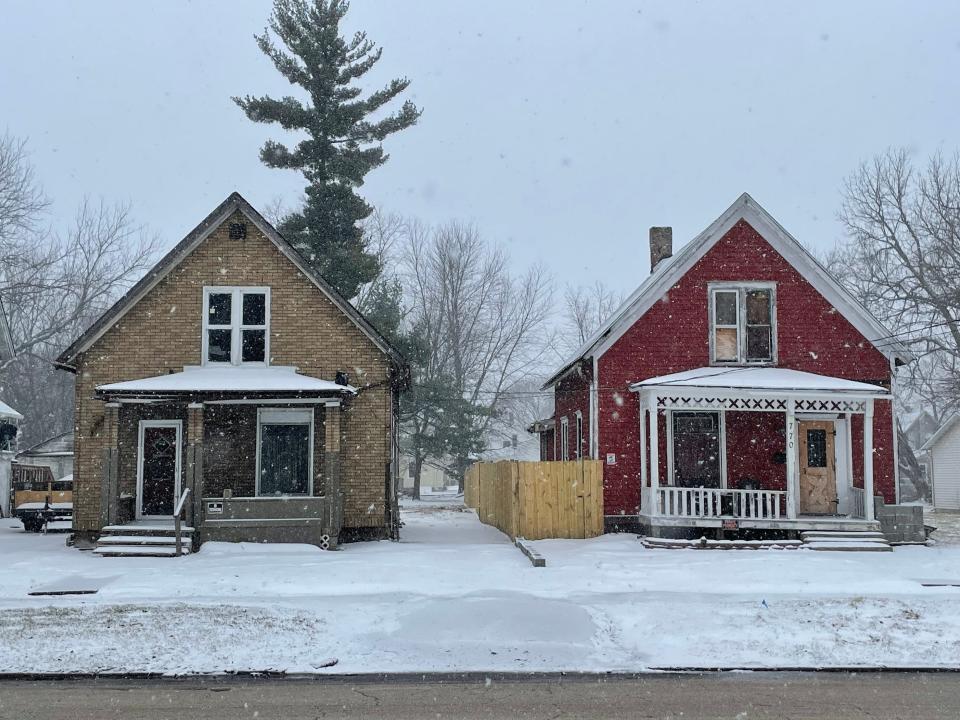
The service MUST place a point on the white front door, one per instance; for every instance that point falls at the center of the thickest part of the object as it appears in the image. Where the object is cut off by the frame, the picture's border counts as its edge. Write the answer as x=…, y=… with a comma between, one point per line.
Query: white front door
x=158, y=467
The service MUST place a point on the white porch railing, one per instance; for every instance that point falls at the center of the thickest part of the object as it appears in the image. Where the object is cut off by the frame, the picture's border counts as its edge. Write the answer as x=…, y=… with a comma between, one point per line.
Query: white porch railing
x=857, y=508
x=720, y=502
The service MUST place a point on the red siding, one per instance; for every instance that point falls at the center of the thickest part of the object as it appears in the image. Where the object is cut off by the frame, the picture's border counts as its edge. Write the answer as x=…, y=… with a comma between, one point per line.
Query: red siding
x=673, y=336
x=571, y=394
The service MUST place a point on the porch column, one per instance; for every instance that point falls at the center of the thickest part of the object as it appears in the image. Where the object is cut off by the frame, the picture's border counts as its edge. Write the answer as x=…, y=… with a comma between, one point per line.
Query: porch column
x=110, y=487
x=333, y=469
x=868, y=461
x=194, y=466
x=644, y=493
x=790, y=447
x=654, y=457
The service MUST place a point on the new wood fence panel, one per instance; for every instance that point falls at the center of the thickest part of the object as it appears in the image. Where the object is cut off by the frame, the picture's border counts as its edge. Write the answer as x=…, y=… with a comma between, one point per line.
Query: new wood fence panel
x=538, y=500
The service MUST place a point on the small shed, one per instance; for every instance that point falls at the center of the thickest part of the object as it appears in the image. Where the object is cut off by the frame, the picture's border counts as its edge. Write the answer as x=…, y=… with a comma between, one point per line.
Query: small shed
x=943, y=457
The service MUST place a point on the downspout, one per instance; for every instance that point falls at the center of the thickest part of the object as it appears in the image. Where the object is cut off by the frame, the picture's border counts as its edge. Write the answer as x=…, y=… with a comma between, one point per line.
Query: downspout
x=896, y=435
x=594, y=409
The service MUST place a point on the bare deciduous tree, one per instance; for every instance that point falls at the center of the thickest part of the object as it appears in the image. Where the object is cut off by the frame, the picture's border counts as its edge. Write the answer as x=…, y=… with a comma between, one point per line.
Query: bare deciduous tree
x=55, y=284
x=586, y=309
x=22, y=202
x=480, y=328
x=903, y=260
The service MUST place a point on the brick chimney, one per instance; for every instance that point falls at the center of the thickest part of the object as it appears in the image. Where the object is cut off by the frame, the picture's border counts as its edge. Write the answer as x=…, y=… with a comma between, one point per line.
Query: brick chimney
x=661, y=245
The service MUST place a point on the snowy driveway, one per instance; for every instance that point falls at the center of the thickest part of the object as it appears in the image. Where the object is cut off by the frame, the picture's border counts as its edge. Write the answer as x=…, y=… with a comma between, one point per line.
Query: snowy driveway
x=456, y=595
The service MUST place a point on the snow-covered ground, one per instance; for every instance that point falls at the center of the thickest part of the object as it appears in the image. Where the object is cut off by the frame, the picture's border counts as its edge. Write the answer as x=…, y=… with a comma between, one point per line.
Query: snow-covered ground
x=456, y=595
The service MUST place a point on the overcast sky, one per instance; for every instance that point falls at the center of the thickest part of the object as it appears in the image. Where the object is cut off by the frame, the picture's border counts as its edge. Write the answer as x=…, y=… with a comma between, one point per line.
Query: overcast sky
x=564, y=129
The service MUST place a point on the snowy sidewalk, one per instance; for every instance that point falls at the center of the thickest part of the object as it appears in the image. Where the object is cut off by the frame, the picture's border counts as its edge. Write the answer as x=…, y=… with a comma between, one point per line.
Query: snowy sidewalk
x=455, y=595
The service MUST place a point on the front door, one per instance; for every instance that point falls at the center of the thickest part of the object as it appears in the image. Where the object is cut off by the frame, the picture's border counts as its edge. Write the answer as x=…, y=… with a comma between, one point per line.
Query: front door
x=159, y=471
x=818, y=467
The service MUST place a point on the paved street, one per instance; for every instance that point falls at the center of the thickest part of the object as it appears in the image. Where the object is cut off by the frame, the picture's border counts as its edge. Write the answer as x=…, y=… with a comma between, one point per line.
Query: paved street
x=737, y=696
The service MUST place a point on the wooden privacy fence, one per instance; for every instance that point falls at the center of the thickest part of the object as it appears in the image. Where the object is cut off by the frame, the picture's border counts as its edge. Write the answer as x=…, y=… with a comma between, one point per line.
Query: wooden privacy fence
x=537, y=500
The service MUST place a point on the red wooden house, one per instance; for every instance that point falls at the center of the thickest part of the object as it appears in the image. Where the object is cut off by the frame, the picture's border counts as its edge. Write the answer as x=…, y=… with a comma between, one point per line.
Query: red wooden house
x=740, y=386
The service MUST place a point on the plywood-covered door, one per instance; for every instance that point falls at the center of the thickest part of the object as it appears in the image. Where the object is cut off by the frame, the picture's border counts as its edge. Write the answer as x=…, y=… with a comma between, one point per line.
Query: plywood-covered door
x=818, y=467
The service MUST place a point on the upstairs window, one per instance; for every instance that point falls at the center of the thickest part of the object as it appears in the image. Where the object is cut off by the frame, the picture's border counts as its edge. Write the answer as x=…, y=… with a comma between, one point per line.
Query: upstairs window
x=742, y=324
x=236, y=325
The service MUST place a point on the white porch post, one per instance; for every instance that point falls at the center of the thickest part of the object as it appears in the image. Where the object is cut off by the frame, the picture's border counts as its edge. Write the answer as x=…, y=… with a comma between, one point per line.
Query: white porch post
x=868, y=461
x=645, y=502
x=791, y=453
x=654, y=456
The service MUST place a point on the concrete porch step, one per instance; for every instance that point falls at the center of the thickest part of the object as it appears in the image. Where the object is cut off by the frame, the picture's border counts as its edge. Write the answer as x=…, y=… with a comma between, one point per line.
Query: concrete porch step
x=159, y=530
x=846, y=541
x=138, y=550
x=844, y=535
x=140, y=540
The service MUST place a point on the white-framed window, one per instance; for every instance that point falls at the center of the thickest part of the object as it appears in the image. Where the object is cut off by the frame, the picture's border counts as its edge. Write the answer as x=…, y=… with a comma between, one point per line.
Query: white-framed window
x=578, y=449
x=284, y=452
x=743, y=323
x=236, y=325
x=564, y=439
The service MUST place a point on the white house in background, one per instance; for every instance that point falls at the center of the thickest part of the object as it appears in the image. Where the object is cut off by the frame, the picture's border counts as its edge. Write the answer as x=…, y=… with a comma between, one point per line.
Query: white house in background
x=9, y=420
x=942, y=453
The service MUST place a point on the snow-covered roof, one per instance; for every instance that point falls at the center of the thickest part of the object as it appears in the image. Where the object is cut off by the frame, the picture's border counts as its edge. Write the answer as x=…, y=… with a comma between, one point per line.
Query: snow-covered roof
x=760, y=378
x=941, y=432
x=8, y=412
x=55, y=446
x=228, y=379
x=671, y=270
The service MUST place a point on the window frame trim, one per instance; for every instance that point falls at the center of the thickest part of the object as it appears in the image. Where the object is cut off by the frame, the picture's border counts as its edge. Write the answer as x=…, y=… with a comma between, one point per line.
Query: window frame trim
x=721, y=436
x=274, y=416
x=236, y=327
x=578, y=435
x=741, y=288
x=565, y=439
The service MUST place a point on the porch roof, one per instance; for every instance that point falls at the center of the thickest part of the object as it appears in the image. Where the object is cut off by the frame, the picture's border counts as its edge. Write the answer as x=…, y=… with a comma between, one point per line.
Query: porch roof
x=228, y=379
x=764, y=379
x=8, y=412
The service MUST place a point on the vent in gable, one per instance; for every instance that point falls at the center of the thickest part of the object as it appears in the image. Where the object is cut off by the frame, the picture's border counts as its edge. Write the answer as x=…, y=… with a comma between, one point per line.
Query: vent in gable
x=238, y=231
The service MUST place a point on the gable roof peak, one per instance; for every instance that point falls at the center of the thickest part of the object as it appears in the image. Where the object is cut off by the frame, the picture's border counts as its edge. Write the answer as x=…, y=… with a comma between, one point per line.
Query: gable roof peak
x=669, y=271
x=233, y=202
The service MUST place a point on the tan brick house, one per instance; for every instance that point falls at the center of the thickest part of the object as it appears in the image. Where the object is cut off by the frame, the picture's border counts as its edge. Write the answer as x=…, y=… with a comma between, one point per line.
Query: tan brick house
x=232, y=370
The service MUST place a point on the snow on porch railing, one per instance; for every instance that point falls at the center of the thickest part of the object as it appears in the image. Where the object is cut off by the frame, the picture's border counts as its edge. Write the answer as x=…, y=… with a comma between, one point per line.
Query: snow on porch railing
x=720, y=502
x=857, y=508
x=177, y=512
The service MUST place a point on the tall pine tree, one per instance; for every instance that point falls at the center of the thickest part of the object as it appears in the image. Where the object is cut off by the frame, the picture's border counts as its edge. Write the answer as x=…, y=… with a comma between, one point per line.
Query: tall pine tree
x=343, y=141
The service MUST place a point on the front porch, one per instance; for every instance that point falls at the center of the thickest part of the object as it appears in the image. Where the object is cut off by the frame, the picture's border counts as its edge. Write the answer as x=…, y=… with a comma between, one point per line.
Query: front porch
x=237, y=455
x=756, y=449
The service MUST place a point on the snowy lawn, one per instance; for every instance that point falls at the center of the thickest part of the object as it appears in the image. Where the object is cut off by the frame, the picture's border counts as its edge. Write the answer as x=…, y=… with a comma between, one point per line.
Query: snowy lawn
x=456, y=595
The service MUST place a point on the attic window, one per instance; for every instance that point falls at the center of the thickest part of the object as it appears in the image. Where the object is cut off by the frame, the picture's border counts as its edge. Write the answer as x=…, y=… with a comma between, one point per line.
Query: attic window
x=236, y=325
x=742, y=324
x=238, y=231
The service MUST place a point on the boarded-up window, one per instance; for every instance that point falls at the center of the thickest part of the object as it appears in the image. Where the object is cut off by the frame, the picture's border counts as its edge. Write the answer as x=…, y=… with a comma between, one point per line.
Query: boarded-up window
x=726, y=326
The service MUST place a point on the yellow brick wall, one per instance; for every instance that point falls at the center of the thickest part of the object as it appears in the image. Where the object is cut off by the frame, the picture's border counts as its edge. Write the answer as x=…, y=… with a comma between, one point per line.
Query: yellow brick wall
x=162, y=333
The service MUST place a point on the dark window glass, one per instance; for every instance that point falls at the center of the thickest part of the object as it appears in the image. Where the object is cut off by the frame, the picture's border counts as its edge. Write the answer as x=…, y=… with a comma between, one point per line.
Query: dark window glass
x=254, y=346
x=219, y=309
x=254, y=309
x=218, y=345
x=726, y=308
x=758, y=342
x=696, y=449
x=759, y=325
x=758, y=307
x=284, y=459
x=816, y=448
